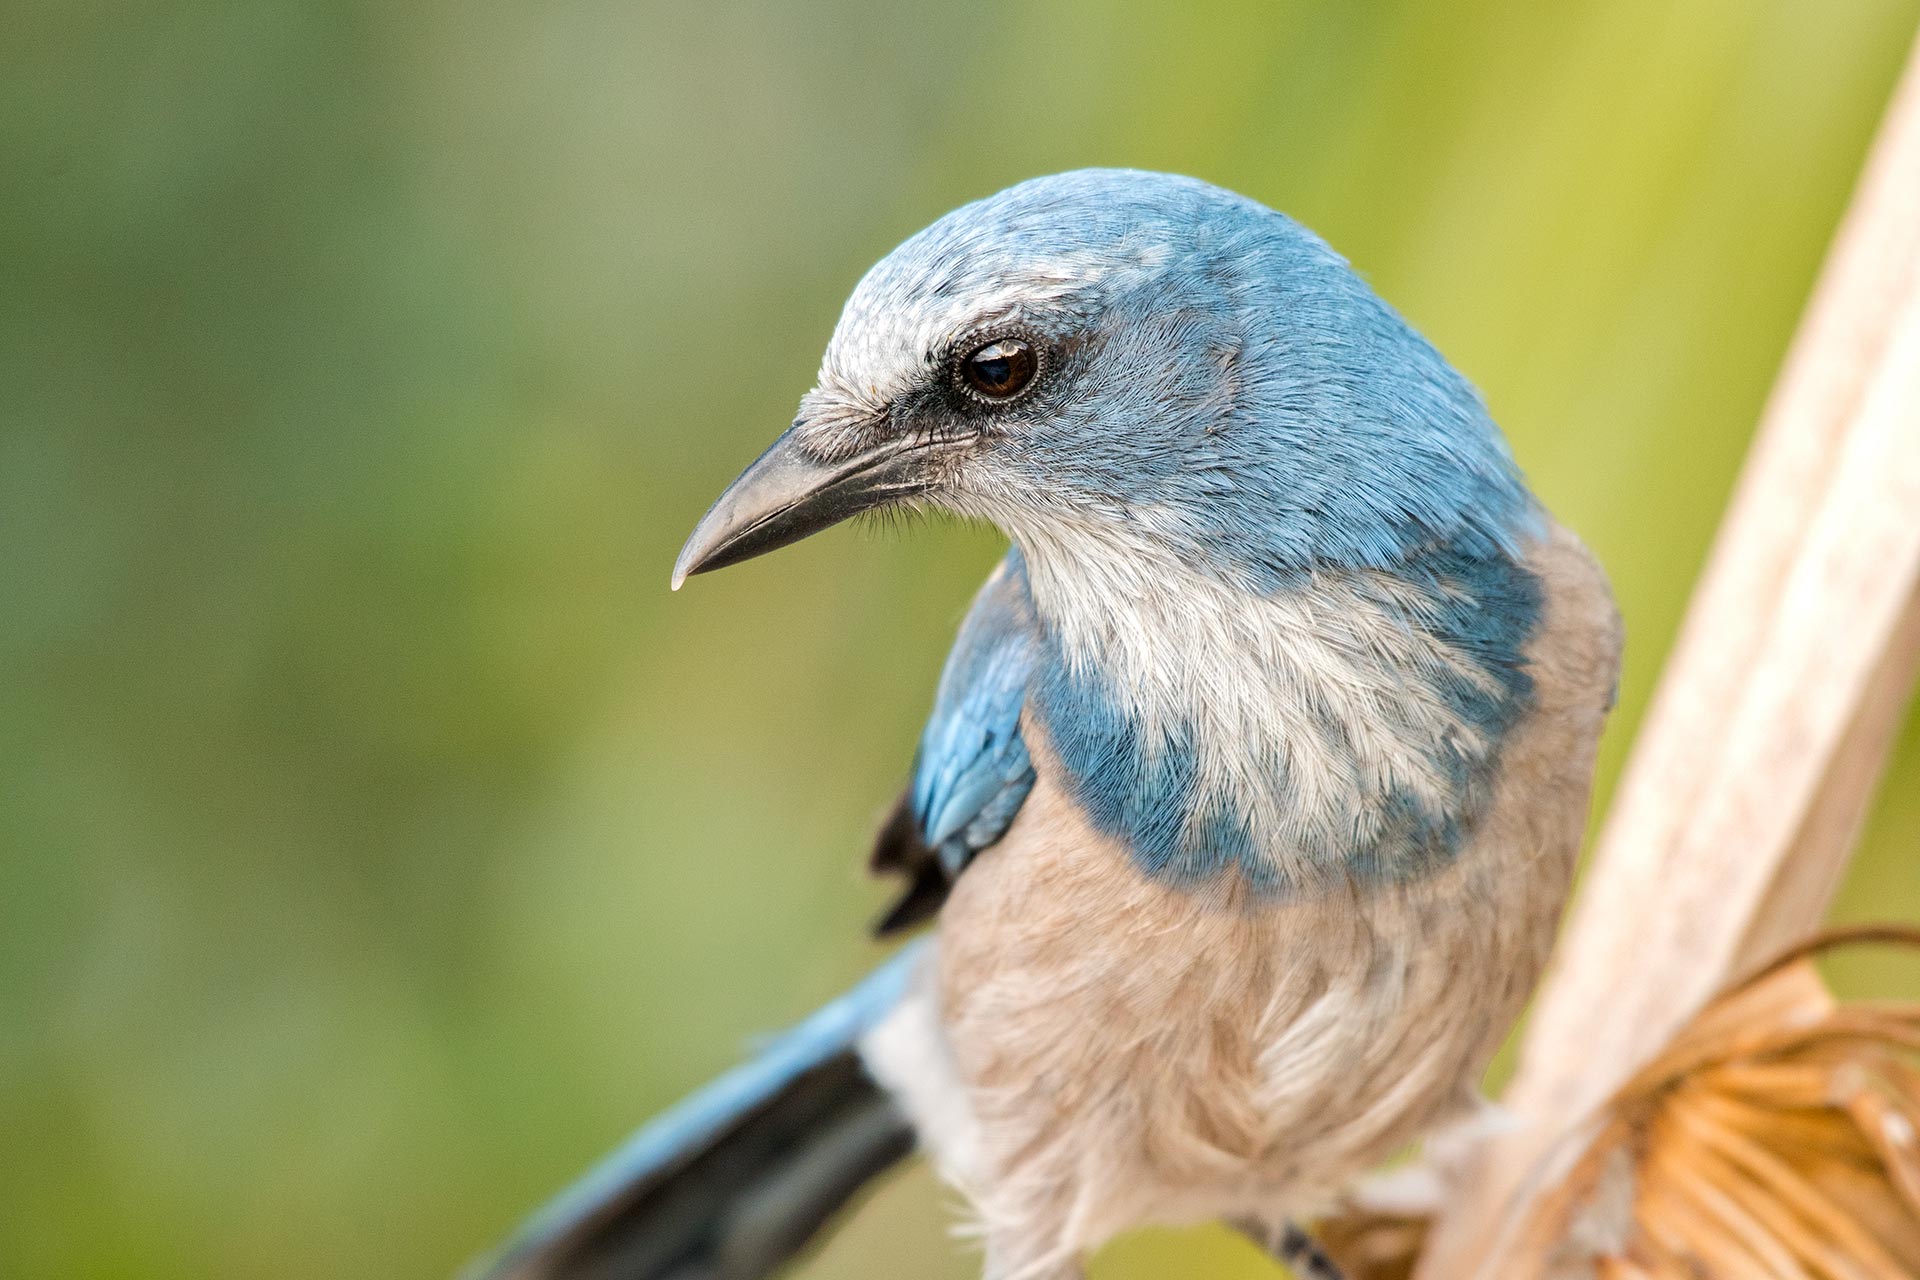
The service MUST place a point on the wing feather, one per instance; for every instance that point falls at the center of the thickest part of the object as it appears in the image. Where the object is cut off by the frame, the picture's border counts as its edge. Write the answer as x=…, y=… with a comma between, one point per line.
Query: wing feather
x=972, y=771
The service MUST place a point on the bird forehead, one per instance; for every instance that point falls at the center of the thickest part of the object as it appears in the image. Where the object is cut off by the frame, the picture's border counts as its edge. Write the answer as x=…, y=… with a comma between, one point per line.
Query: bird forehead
x=1050, y=250
x=905, y=315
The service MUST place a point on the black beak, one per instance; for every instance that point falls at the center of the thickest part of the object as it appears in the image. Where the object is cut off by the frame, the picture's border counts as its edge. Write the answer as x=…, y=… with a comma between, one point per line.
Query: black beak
x=787, y=494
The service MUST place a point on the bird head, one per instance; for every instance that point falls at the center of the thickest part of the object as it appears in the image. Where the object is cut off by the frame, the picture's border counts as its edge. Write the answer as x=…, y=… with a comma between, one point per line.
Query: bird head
x=1118, y=356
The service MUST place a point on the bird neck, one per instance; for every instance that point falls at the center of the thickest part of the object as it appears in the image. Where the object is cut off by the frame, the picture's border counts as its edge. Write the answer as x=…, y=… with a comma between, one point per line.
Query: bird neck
x=1346, y=722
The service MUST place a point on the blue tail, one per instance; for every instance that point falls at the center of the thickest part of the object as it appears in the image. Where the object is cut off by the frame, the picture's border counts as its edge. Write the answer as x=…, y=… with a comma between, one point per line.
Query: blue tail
x=734, y=1181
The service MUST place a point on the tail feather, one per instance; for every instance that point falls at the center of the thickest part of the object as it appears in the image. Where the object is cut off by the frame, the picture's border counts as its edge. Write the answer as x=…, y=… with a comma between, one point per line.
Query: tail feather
x=737, y=1179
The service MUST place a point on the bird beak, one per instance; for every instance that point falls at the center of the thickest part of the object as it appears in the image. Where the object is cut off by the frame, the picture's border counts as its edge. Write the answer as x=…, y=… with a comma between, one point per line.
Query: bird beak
x=787, y=494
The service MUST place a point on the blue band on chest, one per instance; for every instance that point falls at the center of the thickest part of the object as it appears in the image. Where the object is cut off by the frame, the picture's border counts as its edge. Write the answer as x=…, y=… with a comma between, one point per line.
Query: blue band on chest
x=1144, y=786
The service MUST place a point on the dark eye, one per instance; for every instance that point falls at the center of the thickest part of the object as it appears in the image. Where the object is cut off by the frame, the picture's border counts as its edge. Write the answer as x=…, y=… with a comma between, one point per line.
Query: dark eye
x=1001, y=369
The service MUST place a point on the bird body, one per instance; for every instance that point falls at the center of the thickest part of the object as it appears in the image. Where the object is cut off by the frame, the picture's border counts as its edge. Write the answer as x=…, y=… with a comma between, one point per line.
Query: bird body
x=1255, y=780
x=1120, y=1050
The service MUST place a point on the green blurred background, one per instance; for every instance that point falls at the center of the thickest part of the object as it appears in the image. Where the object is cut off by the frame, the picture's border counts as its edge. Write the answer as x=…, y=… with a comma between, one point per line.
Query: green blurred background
x=379, y=840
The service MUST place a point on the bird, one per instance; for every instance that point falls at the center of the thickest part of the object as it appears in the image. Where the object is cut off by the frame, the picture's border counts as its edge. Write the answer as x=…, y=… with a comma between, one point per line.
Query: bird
x=1253, y=784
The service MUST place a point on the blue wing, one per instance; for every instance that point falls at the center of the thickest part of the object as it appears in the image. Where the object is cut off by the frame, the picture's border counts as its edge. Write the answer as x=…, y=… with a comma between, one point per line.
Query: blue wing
x=972, y=772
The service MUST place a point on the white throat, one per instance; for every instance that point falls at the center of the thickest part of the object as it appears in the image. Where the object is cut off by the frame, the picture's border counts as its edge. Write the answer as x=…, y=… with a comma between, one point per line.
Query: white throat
x=1312, y=706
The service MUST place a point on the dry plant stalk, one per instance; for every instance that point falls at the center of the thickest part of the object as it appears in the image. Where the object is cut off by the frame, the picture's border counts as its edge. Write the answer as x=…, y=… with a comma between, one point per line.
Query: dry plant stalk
x=1778, y=1136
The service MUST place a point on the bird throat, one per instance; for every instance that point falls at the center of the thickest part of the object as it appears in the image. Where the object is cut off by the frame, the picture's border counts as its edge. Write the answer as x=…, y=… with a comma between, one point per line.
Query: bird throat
x=1344, y=725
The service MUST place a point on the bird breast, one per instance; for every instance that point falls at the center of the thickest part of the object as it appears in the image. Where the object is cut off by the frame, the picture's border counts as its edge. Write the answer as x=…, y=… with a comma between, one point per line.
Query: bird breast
x=1149, y=1051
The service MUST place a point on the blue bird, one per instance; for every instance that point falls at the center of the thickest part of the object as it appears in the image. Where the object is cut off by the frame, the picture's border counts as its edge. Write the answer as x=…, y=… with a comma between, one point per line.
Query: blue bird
x=1254, y=783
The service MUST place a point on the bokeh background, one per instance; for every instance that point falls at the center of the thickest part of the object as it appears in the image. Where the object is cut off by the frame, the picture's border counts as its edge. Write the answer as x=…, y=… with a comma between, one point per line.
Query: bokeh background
x=379, y=840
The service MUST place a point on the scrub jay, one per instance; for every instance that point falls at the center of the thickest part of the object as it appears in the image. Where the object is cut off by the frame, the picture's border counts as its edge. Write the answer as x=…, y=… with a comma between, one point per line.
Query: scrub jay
x=1254, y=782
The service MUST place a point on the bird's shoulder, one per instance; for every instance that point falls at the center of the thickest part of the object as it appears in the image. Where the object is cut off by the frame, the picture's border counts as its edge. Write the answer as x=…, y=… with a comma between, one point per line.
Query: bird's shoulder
x=972, y=771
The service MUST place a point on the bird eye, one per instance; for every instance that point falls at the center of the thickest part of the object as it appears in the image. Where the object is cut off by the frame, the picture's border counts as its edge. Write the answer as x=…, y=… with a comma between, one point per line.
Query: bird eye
x=1001, y=369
